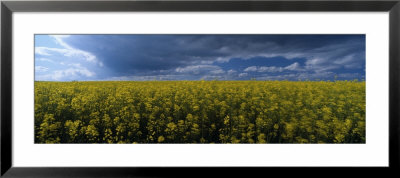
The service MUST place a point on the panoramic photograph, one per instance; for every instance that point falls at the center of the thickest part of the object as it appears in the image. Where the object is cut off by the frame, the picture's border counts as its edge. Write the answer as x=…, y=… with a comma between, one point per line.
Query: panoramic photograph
x=200, y=89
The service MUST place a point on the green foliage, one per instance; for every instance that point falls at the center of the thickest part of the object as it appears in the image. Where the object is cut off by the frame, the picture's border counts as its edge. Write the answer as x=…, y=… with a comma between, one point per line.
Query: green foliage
x=200, y=112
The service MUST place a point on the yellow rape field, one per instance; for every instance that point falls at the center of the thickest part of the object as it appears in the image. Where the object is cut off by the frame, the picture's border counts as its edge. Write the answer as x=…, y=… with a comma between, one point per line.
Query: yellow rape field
x=200, y=112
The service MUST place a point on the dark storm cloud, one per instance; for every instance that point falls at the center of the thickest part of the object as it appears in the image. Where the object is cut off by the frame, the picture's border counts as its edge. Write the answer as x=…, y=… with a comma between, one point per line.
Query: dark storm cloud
x=199, y=55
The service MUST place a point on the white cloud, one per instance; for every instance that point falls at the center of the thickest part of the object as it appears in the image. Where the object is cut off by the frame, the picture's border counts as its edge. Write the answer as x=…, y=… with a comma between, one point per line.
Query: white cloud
x=223, y=59
x=74, y=72
x=71, y=73
x=46, y=51
x=41, y=51
x=324, y=58
x=294, y=67
x=263, y=69
x=350, y=75
x=67, y=51
x=298, y=76
x=41, y=69
x=217, y=71
x=351, y=61
x=205, y=62
x=243, y=74
x=198, y=69
x=231, y=71
x=251, y=69
x=44, y=59
x=146, y=78
x=345, y=59
x=77, y=65
x=311, y=63
x=270, y=69
x=59, y=40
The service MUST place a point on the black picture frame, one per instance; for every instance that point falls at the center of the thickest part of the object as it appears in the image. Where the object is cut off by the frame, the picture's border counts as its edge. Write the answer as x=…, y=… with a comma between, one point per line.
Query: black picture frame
x=8, y=7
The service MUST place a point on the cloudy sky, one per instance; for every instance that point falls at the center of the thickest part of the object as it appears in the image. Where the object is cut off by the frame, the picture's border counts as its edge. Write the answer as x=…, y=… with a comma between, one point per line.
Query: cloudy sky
x=197, y=57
